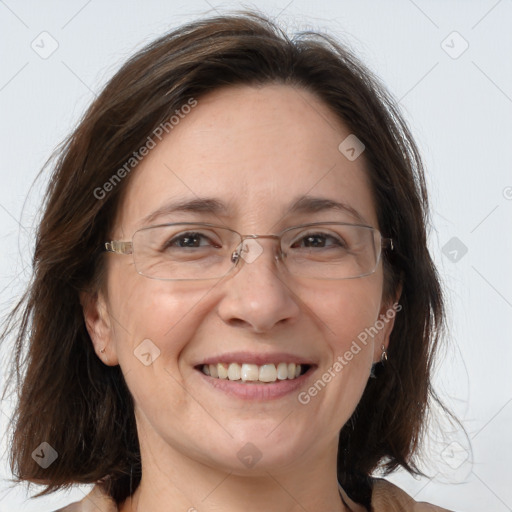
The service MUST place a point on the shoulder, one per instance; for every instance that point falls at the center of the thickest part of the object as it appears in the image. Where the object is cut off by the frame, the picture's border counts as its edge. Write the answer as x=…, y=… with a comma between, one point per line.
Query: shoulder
x=95, y=501
x=387, y=497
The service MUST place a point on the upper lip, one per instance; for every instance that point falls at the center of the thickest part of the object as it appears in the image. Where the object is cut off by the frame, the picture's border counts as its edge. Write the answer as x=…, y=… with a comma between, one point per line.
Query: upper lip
x=256, y=358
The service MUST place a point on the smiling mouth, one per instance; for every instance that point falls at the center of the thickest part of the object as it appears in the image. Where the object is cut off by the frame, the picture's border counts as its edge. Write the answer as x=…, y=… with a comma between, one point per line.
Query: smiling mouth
x=253, y=373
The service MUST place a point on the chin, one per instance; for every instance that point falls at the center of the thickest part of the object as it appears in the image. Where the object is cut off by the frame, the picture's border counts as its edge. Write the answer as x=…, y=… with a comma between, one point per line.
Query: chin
x=257, y=448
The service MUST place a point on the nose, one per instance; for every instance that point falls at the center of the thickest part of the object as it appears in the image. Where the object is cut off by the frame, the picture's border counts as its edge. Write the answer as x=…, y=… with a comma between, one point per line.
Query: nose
x=258, y=296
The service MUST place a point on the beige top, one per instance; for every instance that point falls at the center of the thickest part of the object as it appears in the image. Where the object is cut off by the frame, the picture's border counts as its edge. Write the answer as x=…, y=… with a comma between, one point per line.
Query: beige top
x=386, y=497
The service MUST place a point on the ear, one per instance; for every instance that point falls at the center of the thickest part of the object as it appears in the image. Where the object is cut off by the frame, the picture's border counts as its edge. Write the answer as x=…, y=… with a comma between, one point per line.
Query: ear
x=387, y=315
x=99, y=326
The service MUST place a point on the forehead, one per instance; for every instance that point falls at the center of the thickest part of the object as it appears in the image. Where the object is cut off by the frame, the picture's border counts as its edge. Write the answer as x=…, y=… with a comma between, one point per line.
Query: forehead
x=256, y=150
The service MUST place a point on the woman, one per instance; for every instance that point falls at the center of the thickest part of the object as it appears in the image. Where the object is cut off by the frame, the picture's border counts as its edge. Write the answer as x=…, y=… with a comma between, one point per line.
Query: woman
x=233, y=304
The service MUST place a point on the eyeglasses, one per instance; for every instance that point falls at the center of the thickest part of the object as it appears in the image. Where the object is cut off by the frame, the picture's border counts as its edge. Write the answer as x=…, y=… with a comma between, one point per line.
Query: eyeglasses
x=197, y=251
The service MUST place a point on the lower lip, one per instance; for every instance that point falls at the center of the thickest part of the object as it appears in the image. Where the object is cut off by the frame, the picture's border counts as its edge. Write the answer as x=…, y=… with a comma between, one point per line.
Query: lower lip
x=255, y=392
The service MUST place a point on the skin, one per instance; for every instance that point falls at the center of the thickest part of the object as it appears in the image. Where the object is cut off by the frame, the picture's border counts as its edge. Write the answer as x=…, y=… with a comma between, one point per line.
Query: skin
x=257, y=149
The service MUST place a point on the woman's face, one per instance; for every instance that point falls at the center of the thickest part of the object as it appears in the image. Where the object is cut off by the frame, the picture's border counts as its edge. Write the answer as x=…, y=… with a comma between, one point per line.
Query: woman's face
x=256, y=151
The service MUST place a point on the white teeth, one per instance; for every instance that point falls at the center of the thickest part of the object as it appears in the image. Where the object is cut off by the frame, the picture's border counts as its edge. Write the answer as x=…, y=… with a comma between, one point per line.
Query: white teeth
x=222, y=371
x=234, y=371
x=249, y=372
x=252, y=372
x=268, y=373
x=282, y=371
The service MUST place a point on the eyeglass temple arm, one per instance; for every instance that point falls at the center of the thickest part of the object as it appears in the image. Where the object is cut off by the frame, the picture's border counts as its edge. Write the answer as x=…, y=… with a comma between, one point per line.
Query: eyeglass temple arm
x=119, y=247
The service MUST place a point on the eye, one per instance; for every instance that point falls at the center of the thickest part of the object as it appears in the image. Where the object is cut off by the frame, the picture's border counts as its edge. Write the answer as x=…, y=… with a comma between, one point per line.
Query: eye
x=319, y=240
x=191, y=239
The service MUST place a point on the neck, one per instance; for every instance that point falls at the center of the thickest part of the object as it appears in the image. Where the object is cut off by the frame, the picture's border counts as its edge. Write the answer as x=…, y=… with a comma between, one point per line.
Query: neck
x=172, y=481
x=235, y=496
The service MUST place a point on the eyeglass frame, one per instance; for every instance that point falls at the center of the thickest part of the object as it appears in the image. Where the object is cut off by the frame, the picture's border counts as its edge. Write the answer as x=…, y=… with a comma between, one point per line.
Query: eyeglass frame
x=126, y=247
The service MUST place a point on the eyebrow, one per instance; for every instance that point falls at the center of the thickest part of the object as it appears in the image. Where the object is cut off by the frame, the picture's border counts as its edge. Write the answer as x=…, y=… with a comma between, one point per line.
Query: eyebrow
x=210, y=205
x=310, y=204
x=199, y=205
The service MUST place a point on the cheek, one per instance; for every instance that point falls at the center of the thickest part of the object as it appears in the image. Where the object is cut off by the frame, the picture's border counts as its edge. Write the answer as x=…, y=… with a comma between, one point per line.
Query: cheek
x=352, y=348
x=155, y=320
x=346, y=311
x=155, y=317
x=345, y=314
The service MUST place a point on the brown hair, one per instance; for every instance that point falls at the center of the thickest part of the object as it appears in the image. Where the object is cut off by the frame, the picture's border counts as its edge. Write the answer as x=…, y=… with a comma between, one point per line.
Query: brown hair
x=82, y=408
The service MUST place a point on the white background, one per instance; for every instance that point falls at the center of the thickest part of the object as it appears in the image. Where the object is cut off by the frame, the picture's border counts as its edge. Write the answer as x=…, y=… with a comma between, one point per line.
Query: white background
x=460, y=111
